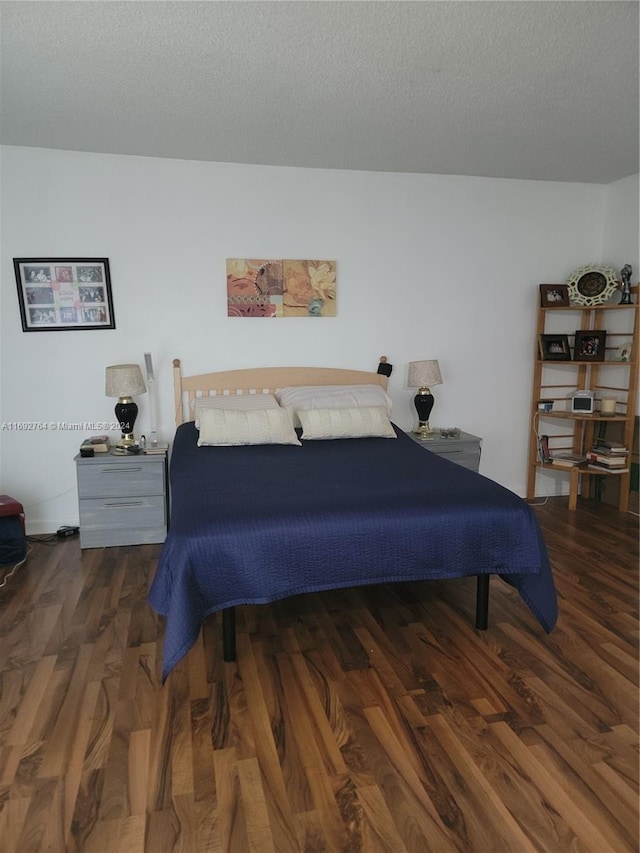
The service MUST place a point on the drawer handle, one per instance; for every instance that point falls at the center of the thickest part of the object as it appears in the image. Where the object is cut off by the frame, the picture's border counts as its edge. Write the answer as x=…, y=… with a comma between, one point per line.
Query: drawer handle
x=124, y=503
x=120, y=469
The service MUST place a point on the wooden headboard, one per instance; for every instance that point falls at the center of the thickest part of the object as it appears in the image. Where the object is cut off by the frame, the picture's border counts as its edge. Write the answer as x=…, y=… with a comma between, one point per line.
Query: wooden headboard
x=260, y=380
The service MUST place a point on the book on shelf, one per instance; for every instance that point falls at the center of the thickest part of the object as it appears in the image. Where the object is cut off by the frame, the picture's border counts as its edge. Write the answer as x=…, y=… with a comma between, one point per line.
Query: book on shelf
x=543, y=448
x=610, y=442
x=613, y=447
x=568, y=460
x=606, y=469
x=607, y=461
x=98, y=443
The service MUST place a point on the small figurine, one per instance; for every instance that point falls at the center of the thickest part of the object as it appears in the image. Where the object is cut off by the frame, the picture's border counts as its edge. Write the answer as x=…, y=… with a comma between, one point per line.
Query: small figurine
x=384, y=368
x=625, y=275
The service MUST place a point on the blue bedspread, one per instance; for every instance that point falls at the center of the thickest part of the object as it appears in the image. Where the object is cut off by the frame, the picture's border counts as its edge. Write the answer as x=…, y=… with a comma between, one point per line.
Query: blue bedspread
x=250, y=525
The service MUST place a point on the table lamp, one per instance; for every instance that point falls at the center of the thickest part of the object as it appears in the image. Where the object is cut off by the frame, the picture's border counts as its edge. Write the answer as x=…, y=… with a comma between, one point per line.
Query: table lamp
x=125, y=381
x=422, y=375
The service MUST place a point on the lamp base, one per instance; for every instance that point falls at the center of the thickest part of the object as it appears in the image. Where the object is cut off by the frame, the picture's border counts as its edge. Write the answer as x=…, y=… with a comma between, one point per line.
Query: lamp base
x=424, y=431
x=423, y=401
x=126, y=413
x=127, y=440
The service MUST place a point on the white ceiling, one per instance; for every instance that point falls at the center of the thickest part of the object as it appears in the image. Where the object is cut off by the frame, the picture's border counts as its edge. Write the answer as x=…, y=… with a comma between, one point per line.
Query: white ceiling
x=521, y=89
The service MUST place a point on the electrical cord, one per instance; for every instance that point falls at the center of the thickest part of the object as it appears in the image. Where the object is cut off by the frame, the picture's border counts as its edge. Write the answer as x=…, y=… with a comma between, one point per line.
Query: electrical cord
x=46, y=539
x=50, y=498
x=536, y=421
x=8, y=576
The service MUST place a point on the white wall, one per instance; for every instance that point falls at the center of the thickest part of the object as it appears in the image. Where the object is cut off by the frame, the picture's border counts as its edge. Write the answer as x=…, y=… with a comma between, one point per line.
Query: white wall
x=429, y=266
x=621, y=240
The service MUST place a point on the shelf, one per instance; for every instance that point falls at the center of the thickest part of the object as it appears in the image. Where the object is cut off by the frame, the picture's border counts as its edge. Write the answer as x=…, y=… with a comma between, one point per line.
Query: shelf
x=605, y=307
x=581, y=469
x=600, y=377
x=571, y=416
x=568, y=361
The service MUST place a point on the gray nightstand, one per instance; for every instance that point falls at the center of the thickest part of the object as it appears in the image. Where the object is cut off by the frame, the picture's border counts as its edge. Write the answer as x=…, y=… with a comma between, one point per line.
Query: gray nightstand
x=123, y=500
x=464, y=450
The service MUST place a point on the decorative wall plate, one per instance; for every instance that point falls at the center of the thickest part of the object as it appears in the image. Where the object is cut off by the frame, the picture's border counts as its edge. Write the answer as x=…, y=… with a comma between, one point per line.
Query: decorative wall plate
x=592, y=285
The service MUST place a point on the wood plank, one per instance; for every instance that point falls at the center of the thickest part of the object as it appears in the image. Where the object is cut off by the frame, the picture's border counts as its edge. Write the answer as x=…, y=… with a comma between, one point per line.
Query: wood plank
x=580, y=821
x=272, y=791
x=259, y=834
x=586, y=779
x=29, y=706
x=424, y=816
x=504, y=832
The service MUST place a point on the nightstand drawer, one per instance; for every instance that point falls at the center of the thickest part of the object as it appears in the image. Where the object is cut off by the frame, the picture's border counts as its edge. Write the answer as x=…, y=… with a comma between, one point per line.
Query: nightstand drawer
x=122, y=521
x=130, y=478
x=468, y=457
x=464, y=450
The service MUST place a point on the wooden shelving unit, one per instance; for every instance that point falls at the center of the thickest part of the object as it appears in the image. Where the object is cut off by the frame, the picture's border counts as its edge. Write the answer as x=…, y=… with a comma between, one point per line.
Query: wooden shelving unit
x=555, y=380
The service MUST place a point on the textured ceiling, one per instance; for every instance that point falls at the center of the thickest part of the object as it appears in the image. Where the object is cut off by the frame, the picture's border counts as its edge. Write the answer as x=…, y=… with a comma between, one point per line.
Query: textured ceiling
x=542, y=90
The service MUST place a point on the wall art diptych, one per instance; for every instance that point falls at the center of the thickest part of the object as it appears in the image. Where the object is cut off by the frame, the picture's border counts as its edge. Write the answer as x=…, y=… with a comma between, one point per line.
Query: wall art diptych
x=258, y=287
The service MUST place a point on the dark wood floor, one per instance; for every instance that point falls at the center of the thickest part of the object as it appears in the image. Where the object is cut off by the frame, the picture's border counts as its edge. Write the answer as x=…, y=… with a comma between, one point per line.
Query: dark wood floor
x=375, y=719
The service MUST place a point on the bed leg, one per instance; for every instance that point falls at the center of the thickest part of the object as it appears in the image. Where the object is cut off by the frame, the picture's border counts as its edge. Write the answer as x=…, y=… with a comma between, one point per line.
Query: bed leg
x=482, y=602
x=229, y=634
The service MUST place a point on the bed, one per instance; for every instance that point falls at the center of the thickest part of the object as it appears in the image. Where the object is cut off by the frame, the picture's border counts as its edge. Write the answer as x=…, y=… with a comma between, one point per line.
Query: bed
x=255, y=523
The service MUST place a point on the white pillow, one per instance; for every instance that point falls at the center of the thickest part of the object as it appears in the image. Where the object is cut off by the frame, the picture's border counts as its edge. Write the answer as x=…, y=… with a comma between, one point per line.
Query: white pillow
x=230, y=427
x=359, y=422
x=240, y=402
x=332, y=397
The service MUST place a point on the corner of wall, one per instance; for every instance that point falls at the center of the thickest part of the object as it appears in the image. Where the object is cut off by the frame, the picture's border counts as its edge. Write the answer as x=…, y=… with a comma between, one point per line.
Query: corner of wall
x=621, y=224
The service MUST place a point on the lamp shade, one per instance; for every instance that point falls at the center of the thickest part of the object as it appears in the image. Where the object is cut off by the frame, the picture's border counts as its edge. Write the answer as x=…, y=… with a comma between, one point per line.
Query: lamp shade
x=124, y=380
x=424, y=374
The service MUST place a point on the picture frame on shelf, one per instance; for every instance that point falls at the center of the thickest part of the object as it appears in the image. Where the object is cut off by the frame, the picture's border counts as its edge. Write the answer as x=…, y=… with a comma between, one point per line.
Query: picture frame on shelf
x=554, y=295
x=554, y=348
x=624, y=352
x=589, y=345
x=64, y=294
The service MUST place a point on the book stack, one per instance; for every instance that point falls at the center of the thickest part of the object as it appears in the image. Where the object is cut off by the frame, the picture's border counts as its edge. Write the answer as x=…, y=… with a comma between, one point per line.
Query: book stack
x=608, y=455
x=157, y=448
x=568, y=460
x=610, y=446
x=98, y=443
x=544, y=454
